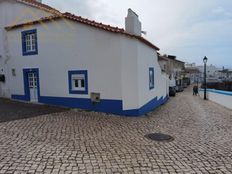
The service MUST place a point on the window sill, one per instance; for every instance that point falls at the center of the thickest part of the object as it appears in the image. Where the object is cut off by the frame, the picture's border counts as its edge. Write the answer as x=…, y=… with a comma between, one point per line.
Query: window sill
x=78, y=92
x=30, y=53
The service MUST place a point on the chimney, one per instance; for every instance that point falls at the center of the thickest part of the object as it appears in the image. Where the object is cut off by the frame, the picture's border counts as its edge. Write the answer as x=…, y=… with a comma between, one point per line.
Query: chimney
x=40, y=1
x=132, y=23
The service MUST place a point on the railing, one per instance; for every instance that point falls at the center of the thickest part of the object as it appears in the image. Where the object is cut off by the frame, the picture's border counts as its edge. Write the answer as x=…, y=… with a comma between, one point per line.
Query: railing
x=223, y=98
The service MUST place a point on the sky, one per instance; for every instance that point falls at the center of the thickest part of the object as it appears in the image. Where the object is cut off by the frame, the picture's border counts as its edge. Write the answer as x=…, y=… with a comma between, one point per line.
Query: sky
x=189, y=29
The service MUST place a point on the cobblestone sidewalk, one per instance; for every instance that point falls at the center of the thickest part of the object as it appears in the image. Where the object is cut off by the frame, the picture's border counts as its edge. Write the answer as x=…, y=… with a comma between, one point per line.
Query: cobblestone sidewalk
x=88, y=142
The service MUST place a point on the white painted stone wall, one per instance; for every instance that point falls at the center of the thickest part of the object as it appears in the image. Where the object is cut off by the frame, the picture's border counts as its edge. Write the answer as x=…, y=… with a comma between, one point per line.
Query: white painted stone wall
x=11, y=13
x=132, y=23
x=79, y=47
x=223, y=98
x=147, y=58
x=118, y=66
x=129, y=73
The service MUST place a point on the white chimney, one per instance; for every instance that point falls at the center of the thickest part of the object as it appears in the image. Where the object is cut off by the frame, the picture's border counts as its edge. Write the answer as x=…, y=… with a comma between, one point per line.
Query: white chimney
x=132, y=23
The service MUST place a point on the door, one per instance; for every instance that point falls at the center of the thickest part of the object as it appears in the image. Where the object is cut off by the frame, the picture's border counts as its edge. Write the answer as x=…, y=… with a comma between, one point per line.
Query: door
x=33, y=86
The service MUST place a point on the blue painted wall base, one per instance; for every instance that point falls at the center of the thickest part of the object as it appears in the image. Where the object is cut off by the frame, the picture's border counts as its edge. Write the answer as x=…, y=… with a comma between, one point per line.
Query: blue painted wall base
x=106, y=106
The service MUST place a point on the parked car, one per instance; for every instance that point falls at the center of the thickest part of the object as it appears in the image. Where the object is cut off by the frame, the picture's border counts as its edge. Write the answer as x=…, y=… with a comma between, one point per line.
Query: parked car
x=172, y=91
x=185, y=85
x=179, y=88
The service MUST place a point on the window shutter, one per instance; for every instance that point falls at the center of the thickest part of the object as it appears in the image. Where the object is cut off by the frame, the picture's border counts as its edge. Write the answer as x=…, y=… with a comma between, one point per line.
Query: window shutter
x=23, y=43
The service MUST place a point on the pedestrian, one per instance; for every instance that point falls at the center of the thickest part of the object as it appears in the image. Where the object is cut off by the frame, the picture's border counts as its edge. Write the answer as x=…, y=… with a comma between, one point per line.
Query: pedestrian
x=195, y=90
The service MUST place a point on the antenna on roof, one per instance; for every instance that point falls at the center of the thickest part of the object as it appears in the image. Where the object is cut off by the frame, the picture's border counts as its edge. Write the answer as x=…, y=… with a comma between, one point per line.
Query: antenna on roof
x=144, y=32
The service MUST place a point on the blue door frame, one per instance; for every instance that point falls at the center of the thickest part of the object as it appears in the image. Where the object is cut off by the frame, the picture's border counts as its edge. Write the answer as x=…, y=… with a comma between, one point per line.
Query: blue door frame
x=26, y=82
x=26, y=96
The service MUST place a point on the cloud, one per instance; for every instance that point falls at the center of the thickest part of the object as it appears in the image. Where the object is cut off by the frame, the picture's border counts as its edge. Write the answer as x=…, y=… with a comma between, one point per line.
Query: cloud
x=221, y=11
x=190, y=29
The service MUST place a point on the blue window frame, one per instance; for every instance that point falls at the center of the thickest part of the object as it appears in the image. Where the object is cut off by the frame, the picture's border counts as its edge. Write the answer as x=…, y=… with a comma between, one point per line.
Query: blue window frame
x=78, y=82
x=29, y=42
x=151, y=78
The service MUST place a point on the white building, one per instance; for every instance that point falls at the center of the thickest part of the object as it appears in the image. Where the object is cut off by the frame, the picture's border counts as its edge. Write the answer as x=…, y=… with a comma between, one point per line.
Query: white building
x=66, y=60
x=211, y=73
x=173, y=67
x=192, y=72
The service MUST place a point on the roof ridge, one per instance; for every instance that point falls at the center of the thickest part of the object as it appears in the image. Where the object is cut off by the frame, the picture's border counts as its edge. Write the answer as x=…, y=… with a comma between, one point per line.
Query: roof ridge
x=93, y=22
x=40, y=5
x=87, y=22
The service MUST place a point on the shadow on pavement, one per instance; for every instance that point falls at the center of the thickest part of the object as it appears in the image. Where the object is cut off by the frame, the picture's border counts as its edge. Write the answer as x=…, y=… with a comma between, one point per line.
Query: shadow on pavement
x=13, y=110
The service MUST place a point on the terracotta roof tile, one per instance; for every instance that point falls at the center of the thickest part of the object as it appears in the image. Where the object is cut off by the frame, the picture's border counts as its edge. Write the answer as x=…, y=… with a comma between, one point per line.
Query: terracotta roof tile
x=87, y=22
x=36, y=4
x=162, y=58
x=108, y=28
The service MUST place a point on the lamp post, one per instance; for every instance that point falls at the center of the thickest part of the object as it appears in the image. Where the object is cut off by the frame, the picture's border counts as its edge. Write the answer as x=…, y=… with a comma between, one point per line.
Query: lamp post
x=205, y=61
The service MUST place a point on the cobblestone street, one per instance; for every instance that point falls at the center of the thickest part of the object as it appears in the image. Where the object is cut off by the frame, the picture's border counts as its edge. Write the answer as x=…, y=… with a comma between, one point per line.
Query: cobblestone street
x=89, y=142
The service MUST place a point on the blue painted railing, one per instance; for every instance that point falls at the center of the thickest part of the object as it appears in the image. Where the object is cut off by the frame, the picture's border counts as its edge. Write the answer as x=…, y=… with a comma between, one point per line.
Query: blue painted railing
x=218, y=91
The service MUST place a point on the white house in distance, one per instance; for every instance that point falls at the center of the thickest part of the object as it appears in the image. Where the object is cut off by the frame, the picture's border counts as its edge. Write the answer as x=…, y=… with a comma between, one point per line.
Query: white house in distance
x=65, y=60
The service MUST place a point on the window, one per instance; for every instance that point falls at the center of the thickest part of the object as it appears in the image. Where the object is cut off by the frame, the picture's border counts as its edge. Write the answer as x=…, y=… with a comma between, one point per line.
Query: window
x=29, y=42
x=151, y=78
x=165, y=67
x=13, y=71
x=78, y=82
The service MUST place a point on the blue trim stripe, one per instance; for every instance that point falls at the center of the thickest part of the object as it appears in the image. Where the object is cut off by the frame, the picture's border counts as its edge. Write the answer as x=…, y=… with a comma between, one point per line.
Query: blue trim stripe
x=24, y=49
x=151, y=78
x=218, y=92
x=150, y=106
x=82, y=72
x=26, y=96
x=19, y=97
x=106, y=106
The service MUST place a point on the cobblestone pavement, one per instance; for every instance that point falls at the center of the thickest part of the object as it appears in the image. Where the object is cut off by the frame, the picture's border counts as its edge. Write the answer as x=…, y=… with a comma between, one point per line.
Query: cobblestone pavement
x=88, y=142
x=12, y=110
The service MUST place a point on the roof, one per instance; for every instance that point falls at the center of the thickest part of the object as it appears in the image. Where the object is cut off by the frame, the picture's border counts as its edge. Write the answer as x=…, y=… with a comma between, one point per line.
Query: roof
x=169, y=57
x=162, y=58
x=179, y=61
x=85, y=21
x=225, y=71
x=40, y=5
x=192, y=70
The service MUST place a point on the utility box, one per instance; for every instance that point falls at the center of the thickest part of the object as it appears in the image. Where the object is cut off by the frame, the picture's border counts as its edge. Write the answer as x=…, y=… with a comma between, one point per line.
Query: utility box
x=95, y=97
x=2, y=78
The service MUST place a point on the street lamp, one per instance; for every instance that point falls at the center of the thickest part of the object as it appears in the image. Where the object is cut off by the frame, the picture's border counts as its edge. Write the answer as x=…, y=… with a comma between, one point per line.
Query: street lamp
x=205, y=61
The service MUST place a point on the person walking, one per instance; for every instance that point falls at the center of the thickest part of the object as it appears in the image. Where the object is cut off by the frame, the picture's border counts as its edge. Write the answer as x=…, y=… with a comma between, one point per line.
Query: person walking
x=195, y=90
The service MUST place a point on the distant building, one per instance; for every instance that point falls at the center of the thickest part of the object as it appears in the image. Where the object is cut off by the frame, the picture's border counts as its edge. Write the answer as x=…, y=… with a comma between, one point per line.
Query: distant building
x=163, y=62
x=190, y=65
x=212, y=73
x=62, y=59
x=174, y=68
x=225, y=74
x=193, y=74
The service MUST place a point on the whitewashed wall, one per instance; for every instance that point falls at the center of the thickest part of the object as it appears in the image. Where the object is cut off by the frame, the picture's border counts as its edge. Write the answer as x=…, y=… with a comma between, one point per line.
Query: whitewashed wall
x=137, y=58
x=118, y=66
x=129, y=73
x=223, y=98
x=11, y=13
x=79, y=47
x=147, y=58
